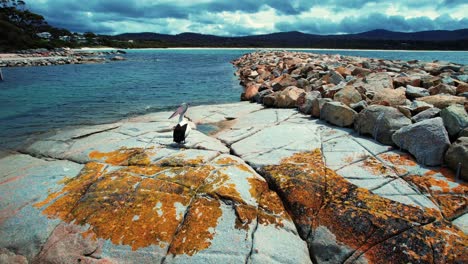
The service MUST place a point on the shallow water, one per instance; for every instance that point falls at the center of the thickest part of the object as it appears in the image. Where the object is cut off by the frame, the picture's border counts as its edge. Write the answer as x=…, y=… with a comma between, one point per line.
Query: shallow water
x=35, y=100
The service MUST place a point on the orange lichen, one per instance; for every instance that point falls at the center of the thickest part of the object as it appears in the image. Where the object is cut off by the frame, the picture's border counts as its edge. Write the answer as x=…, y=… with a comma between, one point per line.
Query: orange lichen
x=318, y=197
x=191, y=177
x=123, y=156
x=399, y=159
x=246, y=214
x=143, y=204
x=373, y=165
x=226, y=161
x=450, y=195
x=195, y=233
x=72, y=192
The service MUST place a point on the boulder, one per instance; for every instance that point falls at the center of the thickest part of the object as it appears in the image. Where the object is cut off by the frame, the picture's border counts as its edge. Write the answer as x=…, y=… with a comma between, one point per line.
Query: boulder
x=442, y=89
x=455, y=119
x=305, y=101
x=302, y=83
x=338, y=114
x=462, y=88
x=260, y=95
x=348, y=95
x=343, y=71
x=441, y=101
x=358, y=71
x=269, y=100
x=359, y=106
x=286, y=98
x=426, y=140
x=250, y=92
x=464, y=133
x=317, y=105
x=335, y=77
x=389, y=97
x=406, y=80
x=417, y=107
x=456, y=157
x=415, y=92
x=426, y=114
x=429, y=81
x=284, y=81
x=380, y=122
x=375, y=82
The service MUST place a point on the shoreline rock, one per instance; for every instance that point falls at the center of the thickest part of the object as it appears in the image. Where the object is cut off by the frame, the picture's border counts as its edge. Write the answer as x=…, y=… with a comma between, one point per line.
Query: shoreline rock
x=163, y=201
x=401, y=90
x=44, y=57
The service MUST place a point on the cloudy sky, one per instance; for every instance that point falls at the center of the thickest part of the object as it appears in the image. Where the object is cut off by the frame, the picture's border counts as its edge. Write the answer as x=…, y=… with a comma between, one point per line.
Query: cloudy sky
x=247, y=17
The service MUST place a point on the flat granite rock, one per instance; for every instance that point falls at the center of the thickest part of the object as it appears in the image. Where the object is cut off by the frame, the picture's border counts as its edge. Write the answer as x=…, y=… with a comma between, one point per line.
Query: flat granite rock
x=272, y=144
x=253, y=122
x=343, y=223
x=22, y=226
x=128, y=206
x=125, y=193
x=216, y=113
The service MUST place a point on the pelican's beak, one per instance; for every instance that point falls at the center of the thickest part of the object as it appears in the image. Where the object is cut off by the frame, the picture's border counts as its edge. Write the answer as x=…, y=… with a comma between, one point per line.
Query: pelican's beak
x=177, y=112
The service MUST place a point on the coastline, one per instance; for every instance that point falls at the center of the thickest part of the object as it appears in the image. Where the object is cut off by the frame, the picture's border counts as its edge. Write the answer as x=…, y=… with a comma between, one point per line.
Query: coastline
x=279, y=48
x=43, y=57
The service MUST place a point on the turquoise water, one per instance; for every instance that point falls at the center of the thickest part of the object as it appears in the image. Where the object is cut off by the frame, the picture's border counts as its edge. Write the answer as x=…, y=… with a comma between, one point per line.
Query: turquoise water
x=35, y=100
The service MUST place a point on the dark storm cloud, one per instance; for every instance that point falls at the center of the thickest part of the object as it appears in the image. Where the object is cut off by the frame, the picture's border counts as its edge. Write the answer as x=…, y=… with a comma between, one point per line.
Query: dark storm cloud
x=373, y=21
x=116, y=16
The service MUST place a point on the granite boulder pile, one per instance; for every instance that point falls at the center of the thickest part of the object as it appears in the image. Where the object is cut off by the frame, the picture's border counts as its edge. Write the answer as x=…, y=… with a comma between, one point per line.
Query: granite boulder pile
x=396, y=102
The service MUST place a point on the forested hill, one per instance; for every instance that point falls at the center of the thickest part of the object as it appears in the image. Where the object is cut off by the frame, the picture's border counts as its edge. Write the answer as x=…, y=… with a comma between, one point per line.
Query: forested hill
x=376, y=39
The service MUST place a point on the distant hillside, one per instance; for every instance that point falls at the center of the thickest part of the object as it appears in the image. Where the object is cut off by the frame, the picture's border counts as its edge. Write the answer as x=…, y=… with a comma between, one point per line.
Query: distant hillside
x=377, y=39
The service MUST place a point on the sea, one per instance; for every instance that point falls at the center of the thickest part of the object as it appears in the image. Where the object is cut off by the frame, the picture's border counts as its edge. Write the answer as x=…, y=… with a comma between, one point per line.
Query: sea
x=38, y=100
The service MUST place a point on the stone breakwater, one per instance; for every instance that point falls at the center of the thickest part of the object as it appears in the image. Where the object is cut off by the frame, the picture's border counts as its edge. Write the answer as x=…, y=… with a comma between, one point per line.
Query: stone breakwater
x=268, y=186
x=43, y=57
x=417, y=106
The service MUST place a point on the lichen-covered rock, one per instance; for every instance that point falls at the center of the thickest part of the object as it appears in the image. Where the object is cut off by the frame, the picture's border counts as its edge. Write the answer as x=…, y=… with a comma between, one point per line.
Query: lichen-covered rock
x=457, y=157
x=455, y=119
x=338, y=114
x=346, y=224
x=427, y=140
x=380, y=122
x=305, y=101
x=441, y=101
x=128, y=205
x=286, y=98
x=348, y=95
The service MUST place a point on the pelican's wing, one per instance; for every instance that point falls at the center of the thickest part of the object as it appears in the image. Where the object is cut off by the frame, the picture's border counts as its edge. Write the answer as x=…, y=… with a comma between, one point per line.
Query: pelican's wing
x=187, y=131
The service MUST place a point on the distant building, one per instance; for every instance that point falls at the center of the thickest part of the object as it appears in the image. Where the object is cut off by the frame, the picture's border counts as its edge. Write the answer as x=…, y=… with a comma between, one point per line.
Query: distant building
x=65, y=38
x=79, y=38
x=130, y=41
x=44, y=35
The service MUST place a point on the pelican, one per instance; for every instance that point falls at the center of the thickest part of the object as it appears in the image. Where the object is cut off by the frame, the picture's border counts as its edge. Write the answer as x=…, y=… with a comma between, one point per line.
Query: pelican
x=182, y=129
